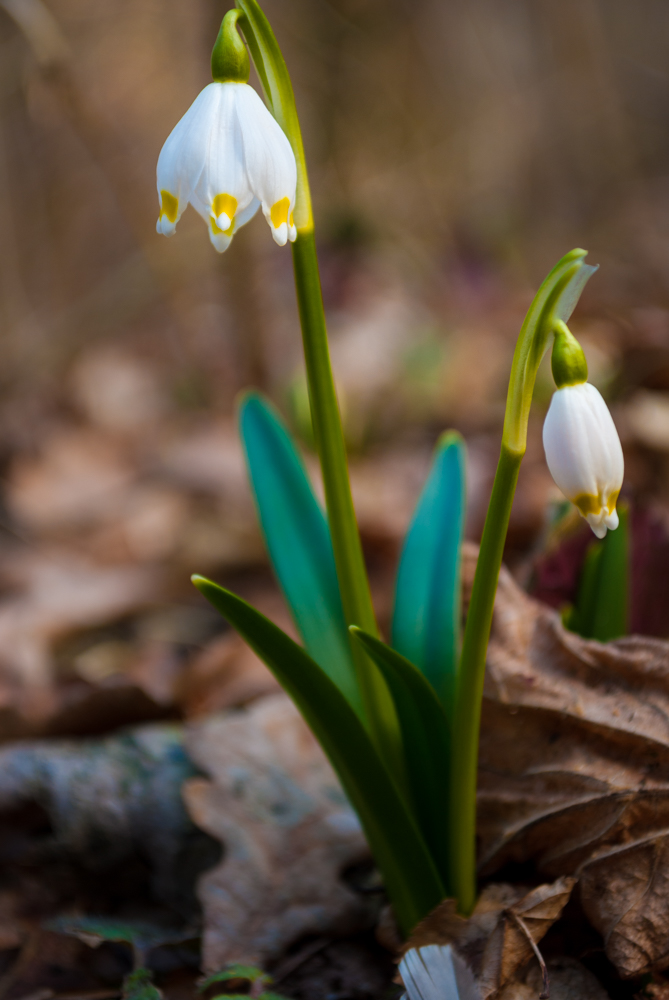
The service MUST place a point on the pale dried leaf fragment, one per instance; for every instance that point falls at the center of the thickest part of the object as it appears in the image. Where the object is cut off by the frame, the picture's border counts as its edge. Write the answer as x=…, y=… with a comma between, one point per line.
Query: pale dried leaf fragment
x=287, y=830
x=437, y=972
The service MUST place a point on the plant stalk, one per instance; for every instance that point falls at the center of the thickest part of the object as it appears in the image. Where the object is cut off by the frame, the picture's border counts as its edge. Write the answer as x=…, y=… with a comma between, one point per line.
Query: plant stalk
x=467, y=716
x=329, y=437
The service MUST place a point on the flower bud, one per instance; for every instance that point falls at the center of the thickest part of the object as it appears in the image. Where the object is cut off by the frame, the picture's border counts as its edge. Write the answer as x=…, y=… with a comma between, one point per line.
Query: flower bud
x=584, y=454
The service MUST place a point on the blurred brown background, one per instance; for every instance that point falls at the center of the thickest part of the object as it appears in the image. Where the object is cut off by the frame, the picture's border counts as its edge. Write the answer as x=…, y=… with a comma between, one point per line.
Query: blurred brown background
x=456, y=151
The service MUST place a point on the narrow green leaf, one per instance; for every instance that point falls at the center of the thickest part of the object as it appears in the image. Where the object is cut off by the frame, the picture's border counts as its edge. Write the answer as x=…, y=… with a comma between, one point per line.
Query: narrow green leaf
x=601, y=610
x=409, y=872
x=425, y=735
x=426, y=619
x=298, y=541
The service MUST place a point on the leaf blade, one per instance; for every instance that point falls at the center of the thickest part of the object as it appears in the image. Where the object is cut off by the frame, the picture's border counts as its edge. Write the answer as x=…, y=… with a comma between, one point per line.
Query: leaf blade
x=398, y=847
x=601, y=609
x=426, y=617
x=425, y=735
x=298, y=540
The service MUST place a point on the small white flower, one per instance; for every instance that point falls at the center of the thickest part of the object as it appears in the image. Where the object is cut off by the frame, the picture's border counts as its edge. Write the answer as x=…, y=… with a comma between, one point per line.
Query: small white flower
x=227, y=157
x=584, y=454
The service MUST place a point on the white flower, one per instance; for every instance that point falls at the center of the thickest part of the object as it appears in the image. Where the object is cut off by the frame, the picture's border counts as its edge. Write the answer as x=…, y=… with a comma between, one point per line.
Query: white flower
x=227, y=157
x=584, y=454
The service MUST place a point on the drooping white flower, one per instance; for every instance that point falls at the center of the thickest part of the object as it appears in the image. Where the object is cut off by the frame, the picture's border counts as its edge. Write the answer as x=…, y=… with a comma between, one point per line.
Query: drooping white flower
x=228, y=156
x=584, y=453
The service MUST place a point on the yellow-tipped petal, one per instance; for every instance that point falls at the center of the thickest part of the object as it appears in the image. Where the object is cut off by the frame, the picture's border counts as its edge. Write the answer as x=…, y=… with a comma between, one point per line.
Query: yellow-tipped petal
x=224, y=204
x=279, y=213
x=169, y=206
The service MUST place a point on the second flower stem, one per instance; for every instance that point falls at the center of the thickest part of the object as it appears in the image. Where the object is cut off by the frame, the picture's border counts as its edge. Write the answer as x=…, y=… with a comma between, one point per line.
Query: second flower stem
x=329, y=437
x=467, y=714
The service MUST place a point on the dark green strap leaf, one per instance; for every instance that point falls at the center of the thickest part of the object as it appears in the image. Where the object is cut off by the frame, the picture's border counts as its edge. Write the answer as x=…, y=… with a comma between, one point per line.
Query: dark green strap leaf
x=409, y=872
x=425, y=737
x=601, y=609
x=298, y=541
x=426, y=619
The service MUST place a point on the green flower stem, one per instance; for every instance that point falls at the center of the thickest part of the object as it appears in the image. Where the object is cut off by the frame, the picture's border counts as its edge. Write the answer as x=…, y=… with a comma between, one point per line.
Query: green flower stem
x=467, y=717
x=552, y=306
x=328, y=433
x=380, y=713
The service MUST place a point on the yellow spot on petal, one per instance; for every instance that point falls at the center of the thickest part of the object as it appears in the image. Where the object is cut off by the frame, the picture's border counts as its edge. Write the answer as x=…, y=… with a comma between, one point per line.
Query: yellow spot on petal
x=279, y=212
x=169, y=206
x=587, y=503
x=613, y=500
x=291, y=221
x=224, y=203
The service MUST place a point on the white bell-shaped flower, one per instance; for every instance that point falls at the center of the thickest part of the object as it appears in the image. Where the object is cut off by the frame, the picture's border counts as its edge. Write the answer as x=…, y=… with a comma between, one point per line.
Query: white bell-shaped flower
x=228, y=156
x=584, y=454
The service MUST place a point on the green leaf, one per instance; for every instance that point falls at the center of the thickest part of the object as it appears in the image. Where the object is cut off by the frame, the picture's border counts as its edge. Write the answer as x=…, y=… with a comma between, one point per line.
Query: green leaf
x=409, y=873
x=426, y=619
x=601, y=610
x=139, y=985
x=235, y=971
x=425, y=734
x=298, y=541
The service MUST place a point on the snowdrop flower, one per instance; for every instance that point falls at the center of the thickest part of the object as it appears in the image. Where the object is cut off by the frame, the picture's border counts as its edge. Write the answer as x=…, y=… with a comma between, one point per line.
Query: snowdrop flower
x=228, y=156
x=582, y=446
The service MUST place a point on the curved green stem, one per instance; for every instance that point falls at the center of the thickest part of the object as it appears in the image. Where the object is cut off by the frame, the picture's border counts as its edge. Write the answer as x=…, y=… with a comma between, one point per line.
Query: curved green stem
x=554, y=302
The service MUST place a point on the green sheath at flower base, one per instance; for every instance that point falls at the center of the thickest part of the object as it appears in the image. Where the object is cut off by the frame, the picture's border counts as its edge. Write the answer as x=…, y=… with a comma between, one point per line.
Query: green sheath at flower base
x=568, y=362
x=229, y=58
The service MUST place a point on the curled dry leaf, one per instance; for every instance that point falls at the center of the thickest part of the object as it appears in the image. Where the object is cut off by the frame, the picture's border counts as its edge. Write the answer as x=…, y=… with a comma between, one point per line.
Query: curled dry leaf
x=287, y=830
x=495, y=940
x=574, y=769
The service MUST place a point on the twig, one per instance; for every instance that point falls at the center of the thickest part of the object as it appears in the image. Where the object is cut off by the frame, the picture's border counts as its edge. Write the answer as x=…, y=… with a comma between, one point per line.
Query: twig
x=295, y=961
x=545, y=991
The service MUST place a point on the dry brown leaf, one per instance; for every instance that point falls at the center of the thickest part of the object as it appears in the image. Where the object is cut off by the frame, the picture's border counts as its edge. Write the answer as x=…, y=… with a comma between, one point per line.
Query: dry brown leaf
x=224, y=674
x=569, y=980
x=492, y=939
x=288, y=833
x=54, y=595
x=574, y=769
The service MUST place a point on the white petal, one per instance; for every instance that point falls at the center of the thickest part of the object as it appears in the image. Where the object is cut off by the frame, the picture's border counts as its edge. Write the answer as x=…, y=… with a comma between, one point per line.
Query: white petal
x=612, y=520
x=280, y=234
x=241, y=218
x=224, y=173
x=182, y=158
x=597, y=524
x=583, y=450
x=269, y=159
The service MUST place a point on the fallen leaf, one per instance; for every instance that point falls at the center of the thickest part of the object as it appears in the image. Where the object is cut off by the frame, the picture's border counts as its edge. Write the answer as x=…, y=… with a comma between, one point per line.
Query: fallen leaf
x=224, y=674
x=492, y=940
x=287, y=829
x=568, y=978
x=574, y=769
